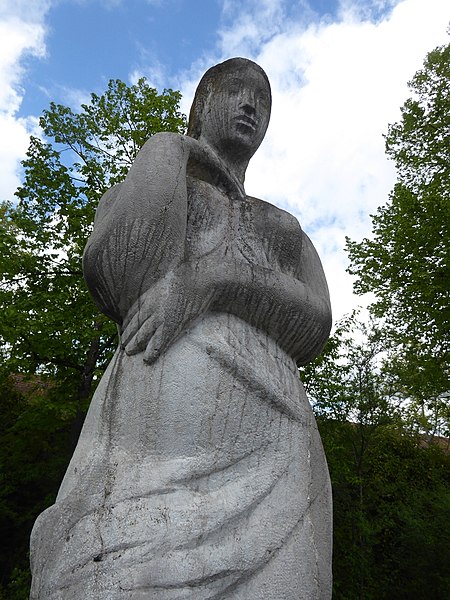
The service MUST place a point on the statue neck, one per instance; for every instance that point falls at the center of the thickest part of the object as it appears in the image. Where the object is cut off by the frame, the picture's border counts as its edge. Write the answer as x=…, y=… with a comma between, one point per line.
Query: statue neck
x=213, y=167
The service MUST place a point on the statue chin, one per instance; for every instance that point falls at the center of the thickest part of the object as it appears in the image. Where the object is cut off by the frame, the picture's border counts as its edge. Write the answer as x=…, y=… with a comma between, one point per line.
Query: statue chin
x=199, y=473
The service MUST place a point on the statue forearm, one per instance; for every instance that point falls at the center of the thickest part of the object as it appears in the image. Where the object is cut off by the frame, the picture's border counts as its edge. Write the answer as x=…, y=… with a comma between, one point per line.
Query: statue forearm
x=140, y=227
x=298, y=319
x=286, y=308
x=140, y=230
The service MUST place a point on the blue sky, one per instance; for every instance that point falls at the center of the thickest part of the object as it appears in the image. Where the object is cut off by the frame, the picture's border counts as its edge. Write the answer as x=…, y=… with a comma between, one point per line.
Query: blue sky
x=89, y=42
x=338, y=70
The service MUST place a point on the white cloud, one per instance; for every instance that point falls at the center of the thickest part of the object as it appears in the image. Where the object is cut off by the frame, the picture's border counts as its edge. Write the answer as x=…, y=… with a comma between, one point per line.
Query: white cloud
x=154, y=70
x=336, y=86
x=251, y=27
x=155, y=76
x=21, y=34
x=30, y=11
x=74, y=97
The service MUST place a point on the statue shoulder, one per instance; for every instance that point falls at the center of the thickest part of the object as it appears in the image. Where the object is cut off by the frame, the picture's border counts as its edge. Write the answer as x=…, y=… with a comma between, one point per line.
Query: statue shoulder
x=275, y=216
x=162, y=154
x=166, y=140
x=106, y=202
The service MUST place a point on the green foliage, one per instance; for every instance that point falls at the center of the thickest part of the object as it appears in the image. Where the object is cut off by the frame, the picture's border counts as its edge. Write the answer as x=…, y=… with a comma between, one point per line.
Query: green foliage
x=35, y=446
x=388, y=483
x=52, y=325
x=420, y=143
x=406, y=263
x=347, y=382
x=19, y=585
x=391, y=517
x=51, y=332
x=105, y=137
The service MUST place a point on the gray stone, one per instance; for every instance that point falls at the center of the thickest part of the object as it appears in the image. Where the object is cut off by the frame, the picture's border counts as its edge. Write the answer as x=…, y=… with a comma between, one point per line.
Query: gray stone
x=199, y=473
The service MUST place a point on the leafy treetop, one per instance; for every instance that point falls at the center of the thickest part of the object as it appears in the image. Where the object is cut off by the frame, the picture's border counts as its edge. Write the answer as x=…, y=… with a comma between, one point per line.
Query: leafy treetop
x=406, y=263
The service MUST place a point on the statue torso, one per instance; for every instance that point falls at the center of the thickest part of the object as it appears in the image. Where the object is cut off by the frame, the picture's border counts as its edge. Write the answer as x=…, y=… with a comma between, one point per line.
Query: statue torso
x=244, y=229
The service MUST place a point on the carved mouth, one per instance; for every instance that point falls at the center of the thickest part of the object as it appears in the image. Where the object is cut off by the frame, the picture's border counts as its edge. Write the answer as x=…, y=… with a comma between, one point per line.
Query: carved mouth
x=246, y=121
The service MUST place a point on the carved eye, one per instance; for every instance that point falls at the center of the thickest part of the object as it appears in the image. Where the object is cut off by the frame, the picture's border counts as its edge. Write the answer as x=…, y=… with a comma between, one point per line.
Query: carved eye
x=234, y=87
x=263, y=98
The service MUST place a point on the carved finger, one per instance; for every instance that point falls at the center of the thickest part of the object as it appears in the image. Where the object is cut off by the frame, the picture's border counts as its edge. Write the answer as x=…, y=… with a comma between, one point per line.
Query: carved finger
x=140, y=340
x=145, y=312
x=155, y=346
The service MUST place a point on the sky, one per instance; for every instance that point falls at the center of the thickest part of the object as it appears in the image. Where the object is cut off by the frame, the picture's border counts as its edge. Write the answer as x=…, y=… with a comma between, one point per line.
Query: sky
x=338, y=70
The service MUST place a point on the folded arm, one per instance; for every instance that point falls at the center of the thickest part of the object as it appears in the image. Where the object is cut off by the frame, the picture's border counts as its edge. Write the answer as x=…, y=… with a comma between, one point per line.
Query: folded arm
x=295, y=313
x=140, y=225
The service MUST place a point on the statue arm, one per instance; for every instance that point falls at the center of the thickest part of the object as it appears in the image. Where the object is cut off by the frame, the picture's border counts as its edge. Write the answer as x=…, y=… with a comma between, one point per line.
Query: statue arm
x=296, y=313
x=140, y=225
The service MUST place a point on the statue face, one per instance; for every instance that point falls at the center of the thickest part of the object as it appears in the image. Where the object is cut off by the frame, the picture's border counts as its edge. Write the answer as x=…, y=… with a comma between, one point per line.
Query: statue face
x=237, y=113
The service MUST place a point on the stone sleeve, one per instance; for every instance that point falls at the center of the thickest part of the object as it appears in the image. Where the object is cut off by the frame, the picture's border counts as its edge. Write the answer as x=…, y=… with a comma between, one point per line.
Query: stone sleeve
x=140, y=227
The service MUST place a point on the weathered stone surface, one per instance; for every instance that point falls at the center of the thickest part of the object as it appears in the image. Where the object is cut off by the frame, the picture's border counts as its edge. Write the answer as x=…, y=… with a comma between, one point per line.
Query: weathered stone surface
x=199, y=473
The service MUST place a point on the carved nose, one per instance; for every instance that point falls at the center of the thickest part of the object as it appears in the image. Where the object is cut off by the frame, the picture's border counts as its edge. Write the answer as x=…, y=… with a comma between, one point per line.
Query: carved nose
x=249, y=109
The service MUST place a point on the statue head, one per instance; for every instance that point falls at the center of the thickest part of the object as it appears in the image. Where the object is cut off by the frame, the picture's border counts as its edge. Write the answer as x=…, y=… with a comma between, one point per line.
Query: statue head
x=231, y=107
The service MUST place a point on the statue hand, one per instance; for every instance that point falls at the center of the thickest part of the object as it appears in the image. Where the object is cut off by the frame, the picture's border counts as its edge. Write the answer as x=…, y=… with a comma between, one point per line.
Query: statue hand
x=162, y=316
x=153, y=325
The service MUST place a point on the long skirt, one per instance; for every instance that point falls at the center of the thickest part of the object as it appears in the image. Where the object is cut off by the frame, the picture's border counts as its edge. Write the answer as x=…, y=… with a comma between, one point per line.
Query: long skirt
x=201, y=476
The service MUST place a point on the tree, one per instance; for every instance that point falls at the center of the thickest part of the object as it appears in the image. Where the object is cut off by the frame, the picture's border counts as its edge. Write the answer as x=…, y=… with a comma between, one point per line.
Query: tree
x=353, y=402
x=51, y=332
x=406, y=263
x=346, y=383
x=50, y=324
x=34, y=451
x=391, y=494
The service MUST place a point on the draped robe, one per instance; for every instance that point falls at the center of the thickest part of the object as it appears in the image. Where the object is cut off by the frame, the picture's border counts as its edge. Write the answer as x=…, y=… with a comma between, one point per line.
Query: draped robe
x=199, y=473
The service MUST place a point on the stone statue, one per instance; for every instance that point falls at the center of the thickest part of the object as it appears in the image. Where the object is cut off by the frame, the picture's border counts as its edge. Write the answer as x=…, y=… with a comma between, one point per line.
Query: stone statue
x=199, y=473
